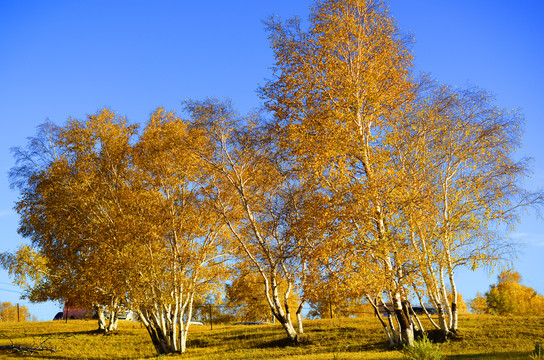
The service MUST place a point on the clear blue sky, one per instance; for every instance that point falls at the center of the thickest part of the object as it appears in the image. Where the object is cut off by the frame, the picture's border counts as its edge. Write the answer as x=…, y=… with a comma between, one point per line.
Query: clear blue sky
x=70, y=58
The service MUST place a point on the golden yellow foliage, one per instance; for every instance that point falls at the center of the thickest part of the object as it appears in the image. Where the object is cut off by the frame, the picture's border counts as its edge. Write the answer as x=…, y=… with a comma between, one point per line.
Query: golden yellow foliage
x=478, y=305
x=509, y=297
x=12, y=313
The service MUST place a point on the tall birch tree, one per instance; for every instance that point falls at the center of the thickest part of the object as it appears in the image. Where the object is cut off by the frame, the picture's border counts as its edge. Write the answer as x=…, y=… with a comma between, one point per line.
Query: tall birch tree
x=60, y=176
x=251, y=189
x=336, y=92
x=454, y=157
x=178, y=239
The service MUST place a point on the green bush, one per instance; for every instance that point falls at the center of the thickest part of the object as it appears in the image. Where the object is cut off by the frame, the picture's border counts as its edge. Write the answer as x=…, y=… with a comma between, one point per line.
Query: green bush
x=422, y=349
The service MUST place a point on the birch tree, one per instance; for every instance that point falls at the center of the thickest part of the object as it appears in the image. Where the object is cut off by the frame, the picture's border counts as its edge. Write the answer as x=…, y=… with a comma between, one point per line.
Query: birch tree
x=336, y=91
x=460, y=181
x=178, y=240
x=59, y=180
x=115, y=224
x=251, y=189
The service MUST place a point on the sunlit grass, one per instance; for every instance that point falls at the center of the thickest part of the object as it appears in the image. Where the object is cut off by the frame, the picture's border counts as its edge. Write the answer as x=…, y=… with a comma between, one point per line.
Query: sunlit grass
x=482, y=337
x=77, y=339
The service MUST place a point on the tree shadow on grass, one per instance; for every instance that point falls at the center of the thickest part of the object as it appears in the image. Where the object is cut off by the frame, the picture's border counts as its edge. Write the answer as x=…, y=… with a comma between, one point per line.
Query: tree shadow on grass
x=306, y=341
x=279, y=343
x=199, y=343
x=437, y=336
x=98, y=357
x=243, y=336
x=55, y=335
x=345, y=329
x=490, y=356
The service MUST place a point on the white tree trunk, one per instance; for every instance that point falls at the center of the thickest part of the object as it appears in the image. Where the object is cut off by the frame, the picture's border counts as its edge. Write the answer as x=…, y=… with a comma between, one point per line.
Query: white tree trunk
x=384, y=325
x=300, y=329
x=442, y=319
x=283, y=316
x=454, y=298
x=184, y=327
x=114, y=310
x=162, y=322
x=112, y=322
x=396, y=336
x=158, y=324
x=417, y=323
x=99, y=309
x=406, y=329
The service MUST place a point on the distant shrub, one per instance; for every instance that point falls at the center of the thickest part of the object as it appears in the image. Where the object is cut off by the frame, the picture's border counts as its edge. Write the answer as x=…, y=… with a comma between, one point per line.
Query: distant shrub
x=423, y=349
x=509, y=297
x=13, y=313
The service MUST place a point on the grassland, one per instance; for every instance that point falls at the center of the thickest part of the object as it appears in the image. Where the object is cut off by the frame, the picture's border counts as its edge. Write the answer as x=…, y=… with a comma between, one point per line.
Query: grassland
x=482, y=337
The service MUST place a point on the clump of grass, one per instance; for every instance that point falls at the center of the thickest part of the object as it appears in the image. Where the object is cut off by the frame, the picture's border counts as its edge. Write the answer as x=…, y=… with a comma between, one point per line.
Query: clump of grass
x=538, y=352
x=422, y=349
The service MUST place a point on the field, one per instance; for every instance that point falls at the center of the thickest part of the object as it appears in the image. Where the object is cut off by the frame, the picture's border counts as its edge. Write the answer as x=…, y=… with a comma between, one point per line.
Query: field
x=482, y=337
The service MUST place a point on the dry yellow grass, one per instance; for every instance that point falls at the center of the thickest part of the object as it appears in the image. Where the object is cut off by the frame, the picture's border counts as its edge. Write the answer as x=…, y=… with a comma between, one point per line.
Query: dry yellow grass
x=483, y=337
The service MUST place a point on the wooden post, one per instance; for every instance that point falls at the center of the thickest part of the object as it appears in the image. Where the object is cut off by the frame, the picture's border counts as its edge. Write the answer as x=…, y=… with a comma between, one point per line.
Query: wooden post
x=211, y=318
